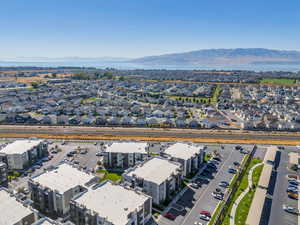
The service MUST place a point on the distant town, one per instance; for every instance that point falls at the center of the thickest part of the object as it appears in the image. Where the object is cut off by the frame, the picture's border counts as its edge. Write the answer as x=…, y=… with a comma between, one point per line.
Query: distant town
x=75, y=96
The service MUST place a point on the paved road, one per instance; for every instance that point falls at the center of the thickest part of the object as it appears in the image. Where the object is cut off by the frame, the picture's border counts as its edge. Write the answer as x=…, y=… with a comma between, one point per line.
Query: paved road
x=195, y=200
x=147, y=132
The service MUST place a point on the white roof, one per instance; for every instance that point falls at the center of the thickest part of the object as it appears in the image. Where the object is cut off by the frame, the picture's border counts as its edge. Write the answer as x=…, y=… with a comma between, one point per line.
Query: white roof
x=11, y=210
x=112, y=202
x=156, y=170
x=63, y=179
x=183, y=151
x=127, y=147
x=20, y=146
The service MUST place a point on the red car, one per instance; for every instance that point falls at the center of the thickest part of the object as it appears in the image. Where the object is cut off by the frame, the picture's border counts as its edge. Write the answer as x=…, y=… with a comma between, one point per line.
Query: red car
x=206, y=213
x=170, y=216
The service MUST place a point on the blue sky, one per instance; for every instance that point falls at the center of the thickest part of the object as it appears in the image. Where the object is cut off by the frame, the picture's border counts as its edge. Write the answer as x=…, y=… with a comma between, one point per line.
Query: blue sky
x=134, y=28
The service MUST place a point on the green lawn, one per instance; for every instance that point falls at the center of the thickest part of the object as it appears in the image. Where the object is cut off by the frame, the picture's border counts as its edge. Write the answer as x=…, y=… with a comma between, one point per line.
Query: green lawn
x=211, y=100
x=242, y=186
x=91, y=99
x=244, y=206
x=110, y=175
x=278, y=81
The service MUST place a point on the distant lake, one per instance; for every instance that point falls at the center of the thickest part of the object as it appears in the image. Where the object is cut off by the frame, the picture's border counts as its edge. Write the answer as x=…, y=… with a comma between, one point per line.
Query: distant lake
x=131, y=66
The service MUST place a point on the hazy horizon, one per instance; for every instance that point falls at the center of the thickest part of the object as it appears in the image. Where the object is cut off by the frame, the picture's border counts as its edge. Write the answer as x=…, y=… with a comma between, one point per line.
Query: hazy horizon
x=135, y=28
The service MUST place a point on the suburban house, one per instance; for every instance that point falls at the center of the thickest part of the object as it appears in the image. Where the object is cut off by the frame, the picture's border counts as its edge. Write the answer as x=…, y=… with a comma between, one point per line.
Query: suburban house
x=157, y=177
x=188, y=155
x=108, y=203
x=22, y=153
x=13, y=211
x=52, y=190
x=125, y=154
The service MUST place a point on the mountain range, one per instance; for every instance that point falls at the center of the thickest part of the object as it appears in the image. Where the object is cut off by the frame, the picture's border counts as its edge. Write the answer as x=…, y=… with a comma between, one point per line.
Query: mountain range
x=237, y=56
x=206, y=57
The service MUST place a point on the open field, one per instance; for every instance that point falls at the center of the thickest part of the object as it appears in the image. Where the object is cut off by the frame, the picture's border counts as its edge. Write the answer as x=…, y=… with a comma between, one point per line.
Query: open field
x=278, y=81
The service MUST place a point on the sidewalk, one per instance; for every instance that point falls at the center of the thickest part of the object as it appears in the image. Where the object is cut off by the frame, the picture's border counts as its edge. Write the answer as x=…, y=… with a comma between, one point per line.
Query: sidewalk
x=242, y=195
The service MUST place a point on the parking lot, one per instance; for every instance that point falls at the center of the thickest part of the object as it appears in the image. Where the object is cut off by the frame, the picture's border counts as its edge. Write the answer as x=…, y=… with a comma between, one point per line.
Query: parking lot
x=84, y=158
x=274, y=213
x=194, y=200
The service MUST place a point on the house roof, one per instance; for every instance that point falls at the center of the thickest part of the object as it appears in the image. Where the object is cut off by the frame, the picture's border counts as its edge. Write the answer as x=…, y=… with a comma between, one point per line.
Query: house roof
x=20, y=146
x=63, y=179
x=117, y=202
x=127, y=147
x=156, y=170
x=183, y=150
x=12, y=211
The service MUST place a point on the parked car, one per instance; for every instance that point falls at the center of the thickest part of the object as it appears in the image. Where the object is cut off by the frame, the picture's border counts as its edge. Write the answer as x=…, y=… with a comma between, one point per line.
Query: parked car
x=195, y=185
x=293, y=195
x=206, y=213
x=292, y=190
x=232, y=170
x=100, y=153
x=290, y=209
x=244, y=152
x=293, y=181
x=204, y=217
x=218, y=196
x=170, y=216
x=211, y=165
x=236, y=164
x=216, y=158
x=224, y=184
x=238, y=147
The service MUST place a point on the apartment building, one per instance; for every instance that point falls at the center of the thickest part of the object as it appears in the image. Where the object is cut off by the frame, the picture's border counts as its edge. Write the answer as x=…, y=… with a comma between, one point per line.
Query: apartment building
x=3, y=174
x=14, y=212
x=188, y=155
x=52, y=190
x=22, y=153
x=125, y=154
x=157, y=177
x=110, y=204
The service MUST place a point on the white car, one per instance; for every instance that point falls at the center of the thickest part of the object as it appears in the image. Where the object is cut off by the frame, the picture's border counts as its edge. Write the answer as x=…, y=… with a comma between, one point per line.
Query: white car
x=290, y=209
x=198, y=223
x=204, y=217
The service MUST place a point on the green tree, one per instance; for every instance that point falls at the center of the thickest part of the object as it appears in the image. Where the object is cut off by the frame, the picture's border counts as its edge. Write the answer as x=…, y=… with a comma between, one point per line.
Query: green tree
x=35, y=85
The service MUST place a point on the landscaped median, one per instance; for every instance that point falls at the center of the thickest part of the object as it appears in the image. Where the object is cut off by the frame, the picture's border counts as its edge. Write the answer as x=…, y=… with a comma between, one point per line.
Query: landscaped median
x=242, y=210
x=244, y=205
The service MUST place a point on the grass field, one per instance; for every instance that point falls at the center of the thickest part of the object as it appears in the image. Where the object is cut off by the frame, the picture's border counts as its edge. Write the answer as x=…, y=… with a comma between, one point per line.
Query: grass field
x=244, y=206
x=110, y=175
x=243, y=185
x=278, y=81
